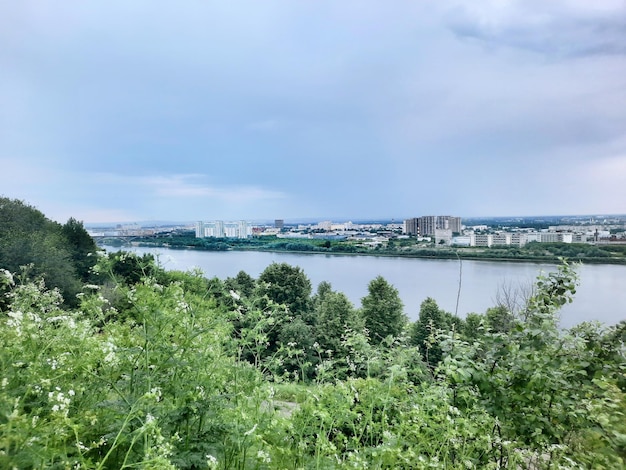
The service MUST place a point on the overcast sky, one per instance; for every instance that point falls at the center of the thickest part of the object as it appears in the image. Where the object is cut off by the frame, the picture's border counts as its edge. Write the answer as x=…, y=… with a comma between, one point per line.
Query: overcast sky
x=137, y=110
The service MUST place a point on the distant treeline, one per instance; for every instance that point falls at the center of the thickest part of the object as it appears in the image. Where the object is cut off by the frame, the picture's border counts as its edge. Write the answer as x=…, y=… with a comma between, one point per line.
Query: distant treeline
x=533, y=251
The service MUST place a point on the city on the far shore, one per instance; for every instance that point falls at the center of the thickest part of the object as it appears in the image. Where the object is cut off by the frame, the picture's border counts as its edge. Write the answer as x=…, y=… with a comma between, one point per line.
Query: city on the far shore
x=440, y=230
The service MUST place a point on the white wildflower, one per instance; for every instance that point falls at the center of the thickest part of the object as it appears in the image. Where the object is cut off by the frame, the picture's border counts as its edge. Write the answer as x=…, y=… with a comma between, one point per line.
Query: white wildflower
x=263, y=456
x=60, y=401
x=211, y=461
x=81, y=446
x=6, y=277
x=235, y=295
x=156, y=393
x=109, y=349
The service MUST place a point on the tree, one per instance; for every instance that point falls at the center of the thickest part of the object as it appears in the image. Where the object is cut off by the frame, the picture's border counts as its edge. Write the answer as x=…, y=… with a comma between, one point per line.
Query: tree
x=335, y=315
x=242, y=283
x=424, y=332
x=82, y=247
x=323, y=288
x=28, y=238
x=499, y=319
x=287, y=285
x=382, y=310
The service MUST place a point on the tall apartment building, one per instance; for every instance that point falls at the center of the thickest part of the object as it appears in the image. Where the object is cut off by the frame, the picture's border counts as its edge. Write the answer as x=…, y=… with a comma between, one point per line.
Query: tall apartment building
x=244, y=229
x=218, y=229
x=455, y=224
x=221, y=229
x=429, y=223
x=199, y=229
x=411, y=226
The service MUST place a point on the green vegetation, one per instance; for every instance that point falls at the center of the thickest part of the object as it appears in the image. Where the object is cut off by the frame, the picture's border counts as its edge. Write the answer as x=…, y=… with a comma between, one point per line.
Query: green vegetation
x=164, y=369
x=533, y=251
x=37, y=247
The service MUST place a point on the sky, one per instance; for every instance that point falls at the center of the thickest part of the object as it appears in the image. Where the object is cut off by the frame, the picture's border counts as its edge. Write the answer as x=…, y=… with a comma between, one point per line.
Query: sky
x=127, y=111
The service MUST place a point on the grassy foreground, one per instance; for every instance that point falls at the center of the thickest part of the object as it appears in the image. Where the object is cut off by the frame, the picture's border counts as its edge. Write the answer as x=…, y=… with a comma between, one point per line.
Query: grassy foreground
x=159, y=370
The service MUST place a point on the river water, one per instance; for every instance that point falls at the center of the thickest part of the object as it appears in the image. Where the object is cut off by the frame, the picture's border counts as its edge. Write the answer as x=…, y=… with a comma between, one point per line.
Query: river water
x=601, y=295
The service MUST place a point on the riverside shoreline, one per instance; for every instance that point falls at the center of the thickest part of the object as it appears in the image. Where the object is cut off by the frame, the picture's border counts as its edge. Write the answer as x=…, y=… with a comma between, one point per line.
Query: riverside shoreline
x=443, y=254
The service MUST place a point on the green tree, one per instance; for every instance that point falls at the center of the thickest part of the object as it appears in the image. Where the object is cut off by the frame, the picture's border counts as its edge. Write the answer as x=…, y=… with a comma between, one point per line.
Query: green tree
x=323, y=288
x=243, y=284
x=28, y=238
x=82, y=247
x=382, y=310
x=335, y=315
x=499, y=319
x=425, y=331
x=287, y=285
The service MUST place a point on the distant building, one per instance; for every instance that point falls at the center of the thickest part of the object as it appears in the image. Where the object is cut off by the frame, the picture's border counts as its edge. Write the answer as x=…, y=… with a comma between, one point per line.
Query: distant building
x=429, y=223
x=483, y=239
x=411, y=226
x=218, y=229
x=279, y=224
x=221, y=229
x=503, y=238
x=519, y=238
x=244, y=229
x=199, y=229
x=443, y=236
x=464, y=240
x=455, y=224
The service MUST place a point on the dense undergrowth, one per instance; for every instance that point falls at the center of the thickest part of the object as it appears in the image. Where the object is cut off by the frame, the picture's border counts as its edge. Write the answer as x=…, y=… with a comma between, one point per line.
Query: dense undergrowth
x=156, y=369
x=161, y=373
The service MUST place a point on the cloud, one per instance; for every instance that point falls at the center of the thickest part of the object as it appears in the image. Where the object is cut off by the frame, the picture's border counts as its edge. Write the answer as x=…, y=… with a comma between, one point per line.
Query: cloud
x=558, y=28
x=193, y=186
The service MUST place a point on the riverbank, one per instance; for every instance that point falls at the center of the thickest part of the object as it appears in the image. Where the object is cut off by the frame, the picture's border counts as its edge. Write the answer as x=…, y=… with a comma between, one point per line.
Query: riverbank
x=550, y=253
x=600, y=295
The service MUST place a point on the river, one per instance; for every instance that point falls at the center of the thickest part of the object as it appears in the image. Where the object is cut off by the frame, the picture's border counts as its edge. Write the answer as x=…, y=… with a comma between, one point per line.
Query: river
x=601, y=295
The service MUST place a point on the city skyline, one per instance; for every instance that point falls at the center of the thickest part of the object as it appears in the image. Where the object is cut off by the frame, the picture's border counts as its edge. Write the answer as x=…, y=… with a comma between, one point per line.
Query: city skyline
x=329, y=110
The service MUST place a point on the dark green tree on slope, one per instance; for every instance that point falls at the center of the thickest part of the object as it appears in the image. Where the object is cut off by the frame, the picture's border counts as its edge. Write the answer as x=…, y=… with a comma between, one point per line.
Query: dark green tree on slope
x=56, y=253
x=382, y=310
x=287, y=285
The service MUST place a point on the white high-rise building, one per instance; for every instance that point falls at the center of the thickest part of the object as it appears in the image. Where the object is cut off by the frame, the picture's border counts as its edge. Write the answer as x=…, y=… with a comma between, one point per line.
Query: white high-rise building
x=218, y=229
x=200, y=229
x=243, y=229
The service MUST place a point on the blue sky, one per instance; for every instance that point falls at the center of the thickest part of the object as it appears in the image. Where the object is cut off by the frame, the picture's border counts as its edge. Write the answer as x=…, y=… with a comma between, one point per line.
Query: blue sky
x=116, y=110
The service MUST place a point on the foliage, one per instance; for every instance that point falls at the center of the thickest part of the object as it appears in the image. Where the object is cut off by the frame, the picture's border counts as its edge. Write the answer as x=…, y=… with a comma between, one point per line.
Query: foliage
x=157, y=391
x=535, y=379
x=382, y=310
x=166, y=369
x=547, y=252
x=60, y=255
x=286, y=285
x=335, y=316
x=83, y=248
x=425, y=333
